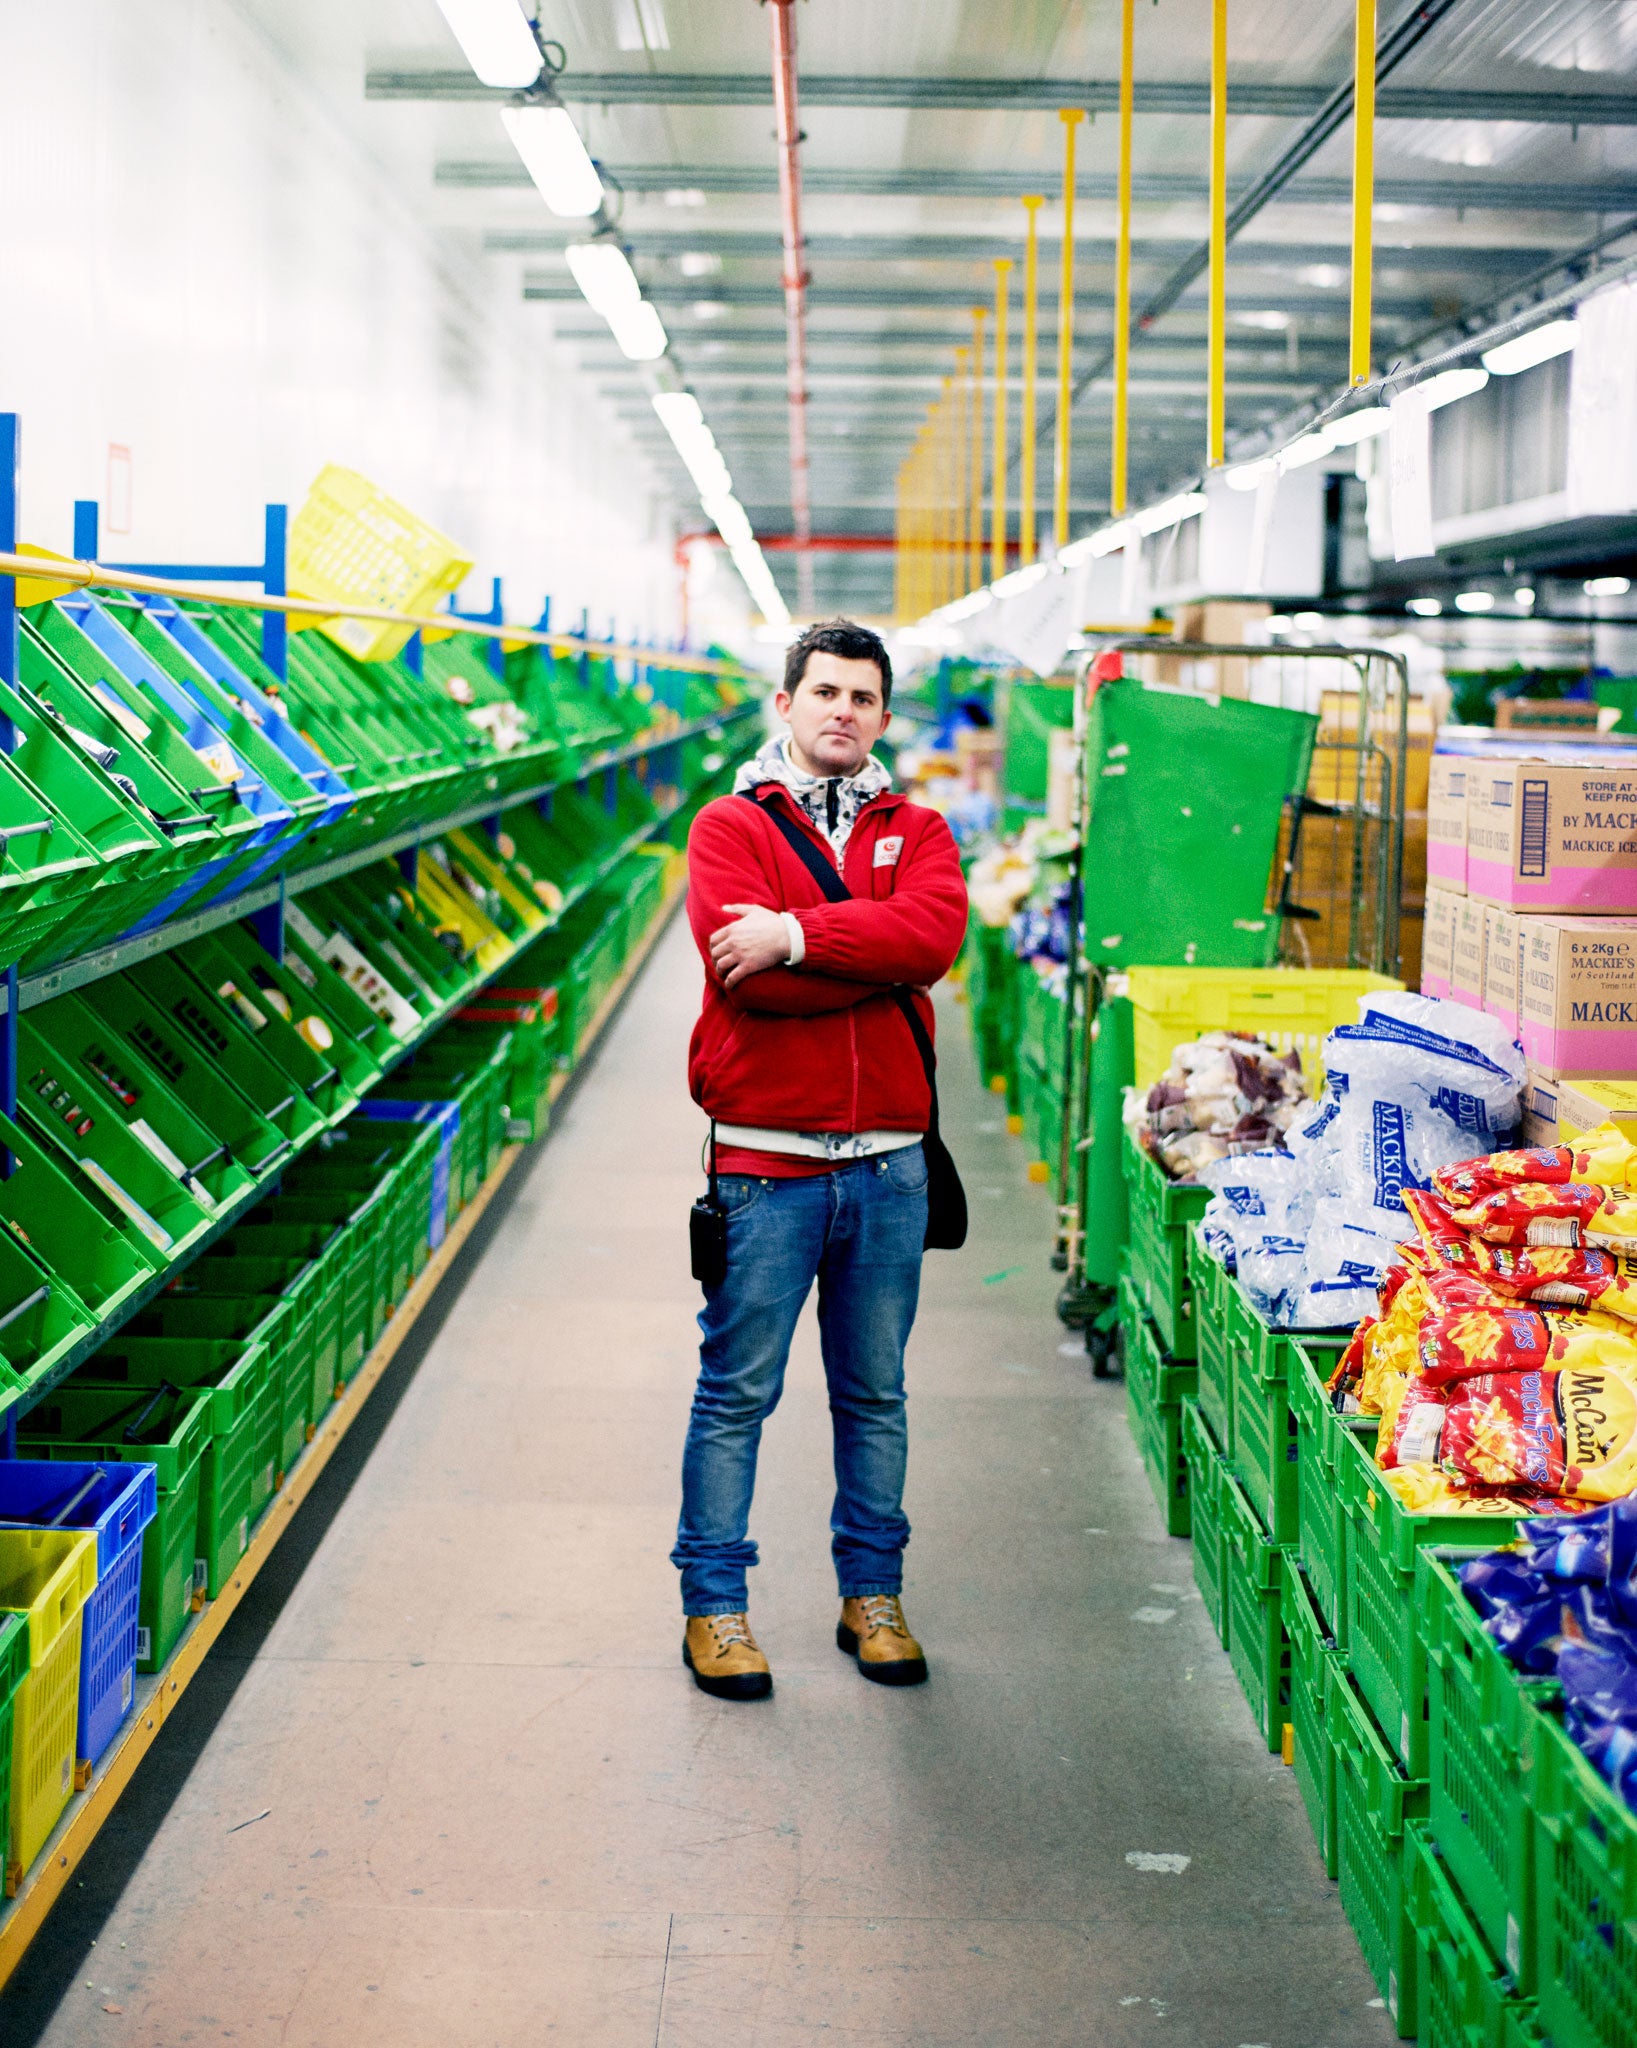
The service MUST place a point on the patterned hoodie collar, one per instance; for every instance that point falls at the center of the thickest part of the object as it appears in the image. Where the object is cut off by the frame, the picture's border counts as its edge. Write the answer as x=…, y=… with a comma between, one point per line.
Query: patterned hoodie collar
x=831, y=802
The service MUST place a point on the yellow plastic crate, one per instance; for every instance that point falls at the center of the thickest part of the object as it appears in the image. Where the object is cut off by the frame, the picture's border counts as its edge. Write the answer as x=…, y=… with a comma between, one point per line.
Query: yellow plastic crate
x=353, y=544
x=46, y=1575
x=1287, y=1006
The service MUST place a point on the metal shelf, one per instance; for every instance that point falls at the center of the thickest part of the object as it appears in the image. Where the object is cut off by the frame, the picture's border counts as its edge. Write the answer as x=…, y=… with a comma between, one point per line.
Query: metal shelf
x=40, y=987
x=582, y=887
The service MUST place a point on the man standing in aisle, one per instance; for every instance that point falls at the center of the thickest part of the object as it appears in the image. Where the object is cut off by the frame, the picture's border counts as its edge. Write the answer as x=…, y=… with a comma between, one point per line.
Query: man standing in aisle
x=805, y=1061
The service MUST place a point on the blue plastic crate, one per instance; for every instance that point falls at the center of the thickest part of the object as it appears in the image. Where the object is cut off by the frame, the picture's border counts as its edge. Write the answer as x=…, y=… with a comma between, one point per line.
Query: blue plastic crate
x=117, y=1502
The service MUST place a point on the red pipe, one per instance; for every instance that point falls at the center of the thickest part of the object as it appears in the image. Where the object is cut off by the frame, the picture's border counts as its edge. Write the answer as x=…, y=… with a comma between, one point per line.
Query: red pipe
x=783, y=16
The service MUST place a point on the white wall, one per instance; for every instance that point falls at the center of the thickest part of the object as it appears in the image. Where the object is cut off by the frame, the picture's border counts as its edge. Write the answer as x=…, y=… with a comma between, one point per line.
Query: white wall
x=206, y=258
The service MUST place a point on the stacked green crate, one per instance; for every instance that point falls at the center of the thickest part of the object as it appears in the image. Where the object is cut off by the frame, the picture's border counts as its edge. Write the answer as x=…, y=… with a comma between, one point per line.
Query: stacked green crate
x=1156, y=1385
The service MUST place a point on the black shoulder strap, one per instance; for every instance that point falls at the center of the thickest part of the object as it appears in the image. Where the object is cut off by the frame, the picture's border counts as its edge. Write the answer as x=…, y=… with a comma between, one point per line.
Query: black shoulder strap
x=835, y=889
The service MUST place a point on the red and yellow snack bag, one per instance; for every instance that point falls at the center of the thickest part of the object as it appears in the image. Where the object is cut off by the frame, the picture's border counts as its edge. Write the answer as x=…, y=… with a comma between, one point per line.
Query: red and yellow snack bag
x=1444, y=1242
x=1607, y=1156
x=1533, y=1213
x=1509, y=1338
x=1468, y=1182
x=1569, y=1431
x=1428, y=1490
x=1553, y=1276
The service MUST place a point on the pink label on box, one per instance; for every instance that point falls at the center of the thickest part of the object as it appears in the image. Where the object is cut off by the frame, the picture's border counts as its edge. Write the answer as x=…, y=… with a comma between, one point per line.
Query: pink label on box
x=1566, y=888
x=1435, y=985
x=1447, y=865
x=1586, y=1054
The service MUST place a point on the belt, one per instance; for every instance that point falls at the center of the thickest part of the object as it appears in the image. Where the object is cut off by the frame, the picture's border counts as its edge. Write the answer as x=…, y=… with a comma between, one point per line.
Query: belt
x=816, y=1144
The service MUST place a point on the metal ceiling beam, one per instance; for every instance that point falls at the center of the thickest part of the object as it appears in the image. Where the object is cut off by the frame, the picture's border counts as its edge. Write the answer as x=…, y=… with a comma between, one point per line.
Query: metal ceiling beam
x=1163, y=188
x=838, y=345
x=923, y=298
x=746, y=245
x=1576, y=107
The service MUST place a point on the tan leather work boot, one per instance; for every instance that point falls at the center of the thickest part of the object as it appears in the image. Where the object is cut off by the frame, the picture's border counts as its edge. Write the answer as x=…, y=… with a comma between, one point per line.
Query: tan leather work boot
x=721, y=1652
x=874, y=1633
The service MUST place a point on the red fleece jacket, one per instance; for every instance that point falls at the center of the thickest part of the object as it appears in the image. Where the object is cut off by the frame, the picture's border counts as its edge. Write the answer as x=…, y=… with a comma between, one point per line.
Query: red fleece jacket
x=823, y=1046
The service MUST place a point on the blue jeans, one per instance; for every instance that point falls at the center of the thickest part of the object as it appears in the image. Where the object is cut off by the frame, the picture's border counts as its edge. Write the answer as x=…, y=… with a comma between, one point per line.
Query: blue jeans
x=858, y=1231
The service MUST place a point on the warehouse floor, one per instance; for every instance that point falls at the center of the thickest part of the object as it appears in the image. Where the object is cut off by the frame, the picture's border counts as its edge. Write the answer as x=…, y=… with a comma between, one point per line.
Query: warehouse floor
x=445, y=1782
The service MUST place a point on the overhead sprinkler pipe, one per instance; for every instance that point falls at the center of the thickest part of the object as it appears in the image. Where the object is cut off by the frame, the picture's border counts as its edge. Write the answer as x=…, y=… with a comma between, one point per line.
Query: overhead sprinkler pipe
x=1216, y=406
x=782, y=16
x=1364, y=179
x=997, y=519
x=1071, y=117
x=1033, y=202
x=974, y=511
x=1122, y=273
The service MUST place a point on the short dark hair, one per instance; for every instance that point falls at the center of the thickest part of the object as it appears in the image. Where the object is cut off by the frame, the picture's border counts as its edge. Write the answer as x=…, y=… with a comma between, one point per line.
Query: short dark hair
x=838, y=636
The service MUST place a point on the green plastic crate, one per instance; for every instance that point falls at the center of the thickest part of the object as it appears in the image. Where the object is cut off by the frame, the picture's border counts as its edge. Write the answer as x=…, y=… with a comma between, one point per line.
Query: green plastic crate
x=1374, y=1802
x=1585, y=1898
x=1321, y=1526
x=1155, y=1388
x=1313, y=1658
x=1211, y=1284
x=1480, y=1728
x=86, y=1425
x=1386, y=1643
x=1161, y=1211
x=13, y=1670
x=1254, y=1570
x=80, y=1239
x=1461, y=1994
x=1206, y=1476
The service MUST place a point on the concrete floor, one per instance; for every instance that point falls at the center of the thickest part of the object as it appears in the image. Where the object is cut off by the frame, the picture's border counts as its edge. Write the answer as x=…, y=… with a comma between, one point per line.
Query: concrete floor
x=496, y=1809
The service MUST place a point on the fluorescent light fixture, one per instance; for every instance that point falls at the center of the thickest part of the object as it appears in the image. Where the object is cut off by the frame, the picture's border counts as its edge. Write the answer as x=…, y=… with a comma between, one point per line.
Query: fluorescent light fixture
x=1020, y=580
x=966, y=607
x=1606, y=586
x=1453, y=384
x=1170, y=512
x=1308, y=622
x=1426, y=607
x=640, y=333
x=1279, y=623
x=1362, y=425
x=555, y=158
x=682, y=419
x=603, y=272
x=1310, y=448
x=1108, y=540
x=1525, y=598
x=1523, y=351
x=498, y=43
x=1245, y=476
x=1475, y=601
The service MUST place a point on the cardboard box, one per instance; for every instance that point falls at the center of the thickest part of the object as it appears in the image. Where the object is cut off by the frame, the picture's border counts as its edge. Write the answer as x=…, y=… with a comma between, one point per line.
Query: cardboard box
x=1438, y=943
x=1578, y=996
x=1550, y=714
x=1544, y=837
x=1466, y=974
x=1503, y=965
x=1223, y=622
x=1447, y=780
x=1540, y=1109
x=1583, y=1105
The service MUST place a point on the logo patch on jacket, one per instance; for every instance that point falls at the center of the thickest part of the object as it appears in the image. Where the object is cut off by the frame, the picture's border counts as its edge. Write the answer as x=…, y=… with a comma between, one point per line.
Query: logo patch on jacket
x=888, y=850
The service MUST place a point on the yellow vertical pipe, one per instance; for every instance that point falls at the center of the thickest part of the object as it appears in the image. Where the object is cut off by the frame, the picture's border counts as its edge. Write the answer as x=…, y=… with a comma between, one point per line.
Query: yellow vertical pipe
x=1217, y=387
x=1033, y=202
x=974, y=525
x=960, y=426
x=1071, y=117
x=949, y=513
x=1364, y=180
x=1122, y=274
x=997, y=507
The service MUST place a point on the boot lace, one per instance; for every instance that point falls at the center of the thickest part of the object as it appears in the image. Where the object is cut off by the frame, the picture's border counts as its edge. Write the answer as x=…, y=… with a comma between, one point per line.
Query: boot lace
x=884, y=1610
x=728, y=1629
